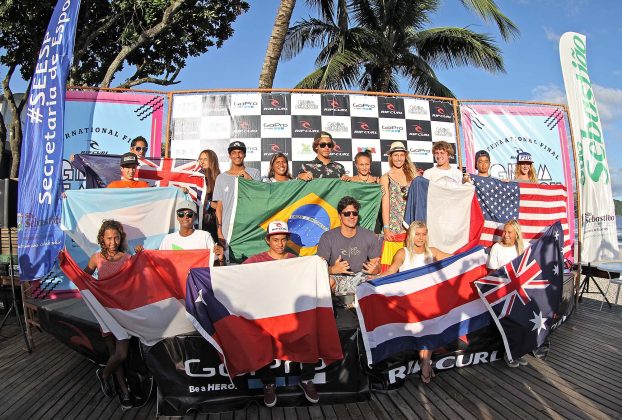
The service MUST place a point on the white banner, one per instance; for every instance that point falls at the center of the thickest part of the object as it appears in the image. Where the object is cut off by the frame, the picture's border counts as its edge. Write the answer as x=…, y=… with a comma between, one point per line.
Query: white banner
x=600, y=240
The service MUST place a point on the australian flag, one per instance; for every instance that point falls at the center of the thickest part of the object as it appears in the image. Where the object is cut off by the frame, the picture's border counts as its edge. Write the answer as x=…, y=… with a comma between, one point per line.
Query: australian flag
x=523, y=296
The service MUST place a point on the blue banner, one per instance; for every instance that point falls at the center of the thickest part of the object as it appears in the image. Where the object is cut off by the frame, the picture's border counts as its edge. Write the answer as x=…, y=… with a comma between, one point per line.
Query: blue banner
x=39, y=207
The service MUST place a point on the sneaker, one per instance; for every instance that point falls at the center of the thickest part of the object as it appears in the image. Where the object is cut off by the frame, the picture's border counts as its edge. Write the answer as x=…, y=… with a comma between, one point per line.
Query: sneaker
x=269, y=395
x=106, y=385
x=126, y=401
x=309, y=390
x=510, y=363
x=522, y=361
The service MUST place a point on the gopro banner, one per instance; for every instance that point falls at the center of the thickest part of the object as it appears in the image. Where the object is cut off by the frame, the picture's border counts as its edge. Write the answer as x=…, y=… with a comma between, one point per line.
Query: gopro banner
x=600, y=241
x=39, y=206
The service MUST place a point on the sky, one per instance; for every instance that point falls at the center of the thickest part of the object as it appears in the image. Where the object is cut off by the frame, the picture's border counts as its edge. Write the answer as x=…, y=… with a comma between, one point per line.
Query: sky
x=532, y=64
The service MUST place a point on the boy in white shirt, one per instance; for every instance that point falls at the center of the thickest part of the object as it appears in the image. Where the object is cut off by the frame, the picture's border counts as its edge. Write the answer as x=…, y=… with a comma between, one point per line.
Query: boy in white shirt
x=443, y=172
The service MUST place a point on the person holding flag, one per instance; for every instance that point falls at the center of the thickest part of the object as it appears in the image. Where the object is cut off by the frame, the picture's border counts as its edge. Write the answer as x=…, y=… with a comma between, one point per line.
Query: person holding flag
x=276, y=237
x=187, y=237
x=128, y=163
x=322, y=166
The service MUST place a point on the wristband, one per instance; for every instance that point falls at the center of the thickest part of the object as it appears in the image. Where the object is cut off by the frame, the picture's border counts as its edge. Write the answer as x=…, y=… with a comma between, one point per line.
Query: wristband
x=386, y=227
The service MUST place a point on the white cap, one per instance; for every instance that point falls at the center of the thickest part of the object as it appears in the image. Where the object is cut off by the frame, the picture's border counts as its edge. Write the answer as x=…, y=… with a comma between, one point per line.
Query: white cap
x=277, y=227
x=186, y=204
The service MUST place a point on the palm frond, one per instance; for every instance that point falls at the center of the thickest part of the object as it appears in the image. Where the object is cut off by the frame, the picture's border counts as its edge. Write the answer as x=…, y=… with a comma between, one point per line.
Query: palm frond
x=307, y=33
x=488, y=11
x=451, y=47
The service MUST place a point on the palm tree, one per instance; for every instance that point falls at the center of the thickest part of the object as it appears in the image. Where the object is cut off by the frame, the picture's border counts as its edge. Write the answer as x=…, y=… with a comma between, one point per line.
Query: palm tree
x=347, y=50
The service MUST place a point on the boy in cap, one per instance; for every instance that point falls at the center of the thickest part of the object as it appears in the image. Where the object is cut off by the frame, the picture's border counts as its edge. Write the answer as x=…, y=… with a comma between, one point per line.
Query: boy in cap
x=276, y=238
x=225, y=182
x=129, y=163
x=187, y=237
x=322, y=166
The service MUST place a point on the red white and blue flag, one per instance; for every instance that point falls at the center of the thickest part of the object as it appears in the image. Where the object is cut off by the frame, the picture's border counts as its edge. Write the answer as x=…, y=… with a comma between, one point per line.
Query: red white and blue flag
x=524, y=295
x=145, y=299
x=424, y=308
x=101, y=170
x=255, y=313
x=451, y=213
x=535, y=206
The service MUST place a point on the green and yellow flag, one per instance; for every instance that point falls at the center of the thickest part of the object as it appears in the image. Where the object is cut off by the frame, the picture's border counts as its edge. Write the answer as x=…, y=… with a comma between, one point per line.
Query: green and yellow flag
x=309, y=208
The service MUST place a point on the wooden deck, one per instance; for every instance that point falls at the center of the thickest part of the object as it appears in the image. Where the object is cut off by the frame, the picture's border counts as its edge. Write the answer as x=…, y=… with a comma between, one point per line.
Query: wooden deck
x=581, y=378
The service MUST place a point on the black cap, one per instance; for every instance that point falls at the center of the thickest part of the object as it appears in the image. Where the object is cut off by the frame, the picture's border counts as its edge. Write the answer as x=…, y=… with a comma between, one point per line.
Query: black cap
x=129, y=159
x=237, y=145
x=481, y=153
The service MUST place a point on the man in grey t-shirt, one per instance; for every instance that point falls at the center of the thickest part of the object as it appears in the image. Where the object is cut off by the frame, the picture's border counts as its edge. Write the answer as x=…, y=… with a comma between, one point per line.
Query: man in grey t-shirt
x=352, y=252
x=225, y=186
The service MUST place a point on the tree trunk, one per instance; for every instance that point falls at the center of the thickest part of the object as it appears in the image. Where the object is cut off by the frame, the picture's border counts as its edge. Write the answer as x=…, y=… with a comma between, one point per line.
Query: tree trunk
x=3, y=132
x=15, y=130
x=275, y=44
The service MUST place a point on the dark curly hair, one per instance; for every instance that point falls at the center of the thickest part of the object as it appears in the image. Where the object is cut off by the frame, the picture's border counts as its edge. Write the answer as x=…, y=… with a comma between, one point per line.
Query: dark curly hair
x=273, y=159
x=111, y=224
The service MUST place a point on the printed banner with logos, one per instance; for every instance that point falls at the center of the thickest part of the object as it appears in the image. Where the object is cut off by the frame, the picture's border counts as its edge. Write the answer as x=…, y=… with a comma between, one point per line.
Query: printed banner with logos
x=105, y=123
x=599, y=239
x=39, y=194
x=287, y=122
x=505, y=130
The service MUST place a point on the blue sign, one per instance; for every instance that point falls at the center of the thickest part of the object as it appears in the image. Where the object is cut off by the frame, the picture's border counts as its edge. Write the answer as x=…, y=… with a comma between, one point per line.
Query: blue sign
x=39, y=206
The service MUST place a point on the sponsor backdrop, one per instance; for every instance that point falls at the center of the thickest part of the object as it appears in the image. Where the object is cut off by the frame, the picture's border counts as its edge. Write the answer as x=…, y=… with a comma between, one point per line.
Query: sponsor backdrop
x=105, y=123
x=287, y=122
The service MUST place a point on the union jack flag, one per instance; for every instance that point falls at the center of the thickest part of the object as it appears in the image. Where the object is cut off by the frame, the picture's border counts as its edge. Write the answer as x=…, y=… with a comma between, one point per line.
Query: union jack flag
x=100, y=170
x=535, y=206
x=523, y=296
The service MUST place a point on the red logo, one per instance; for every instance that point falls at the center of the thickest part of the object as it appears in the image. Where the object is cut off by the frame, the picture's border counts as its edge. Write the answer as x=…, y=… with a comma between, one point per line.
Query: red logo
x=390, y=106
x=275, y=102
x=336, y=148
x=418, y=128
x=333, y=103
x=364, y=126
x=305, y=124
x=275, y=147
x=440, y=110
x=244, y=125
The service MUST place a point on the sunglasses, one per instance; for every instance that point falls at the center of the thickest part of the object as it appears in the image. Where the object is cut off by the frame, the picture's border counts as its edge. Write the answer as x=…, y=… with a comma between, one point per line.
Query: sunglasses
x=350, y=213
x=140, y=149
x=329, y=145
x=182, y=214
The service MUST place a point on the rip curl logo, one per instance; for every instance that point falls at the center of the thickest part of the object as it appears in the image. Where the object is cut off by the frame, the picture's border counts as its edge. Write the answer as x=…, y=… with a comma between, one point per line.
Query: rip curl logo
x=275, y=102
x=390, y=106
x=305, y=124
x=440, y=110
x=364, y=126
x=334, y=103
x=307, y=218
x=275, y=147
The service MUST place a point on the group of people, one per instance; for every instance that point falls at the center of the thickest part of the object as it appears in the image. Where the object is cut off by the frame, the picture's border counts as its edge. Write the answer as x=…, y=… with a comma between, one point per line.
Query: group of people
x=353, y=254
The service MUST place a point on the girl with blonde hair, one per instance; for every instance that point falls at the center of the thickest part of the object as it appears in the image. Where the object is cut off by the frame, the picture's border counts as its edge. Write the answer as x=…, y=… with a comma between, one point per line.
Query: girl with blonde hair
x=415, y=254
x=524, y=170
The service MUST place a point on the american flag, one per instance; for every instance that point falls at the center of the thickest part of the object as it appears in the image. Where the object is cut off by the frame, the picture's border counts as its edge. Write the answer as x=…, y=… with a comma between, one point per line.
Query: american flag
x=535, y=206
x=524, y=295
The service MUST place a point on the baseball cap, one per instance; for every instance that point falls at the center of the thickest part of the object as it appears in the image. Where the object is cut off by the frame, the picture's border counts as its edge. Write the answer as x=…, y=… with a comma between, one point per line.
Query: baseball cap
x=237, y=145
x=277, y=227
x=129, y=159
x=481, y=153
x=524, y=157
x=186, y=204
x=397, y=146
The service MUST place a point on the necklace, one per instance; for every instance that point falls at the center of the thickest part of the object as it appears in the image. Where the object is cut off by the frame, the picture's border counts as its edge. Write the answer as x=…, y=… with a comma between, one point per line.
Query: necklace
x=110, y=256
x=366, y=179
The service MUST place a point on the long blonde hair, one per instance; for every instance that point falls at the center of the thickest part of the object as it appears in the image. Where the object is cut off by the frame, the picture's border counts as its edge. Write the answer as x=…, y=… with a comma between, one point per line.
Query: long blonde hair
x=409, y=168
x=410, y=240
x=532, y=173
x=520, y=246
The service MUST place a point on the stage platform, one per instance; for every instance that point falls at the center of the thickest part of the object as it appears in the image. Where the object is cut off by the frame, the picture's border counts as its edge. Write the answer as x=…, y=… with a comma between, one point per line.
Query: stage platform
x=580, y=379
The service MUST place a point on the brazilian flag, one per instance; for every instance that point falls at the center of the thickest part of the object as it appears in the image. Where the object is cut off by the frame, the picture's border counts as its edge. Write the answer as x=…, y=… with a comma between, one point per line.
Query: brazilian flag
x=309, y=208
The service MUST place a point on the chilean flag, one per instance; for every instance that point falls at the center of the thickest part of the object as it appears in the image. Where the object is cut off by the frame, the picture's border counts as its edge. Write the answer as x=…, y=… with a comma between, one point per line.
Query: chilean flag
x=145, y=298
x=424, y=308
x=451, y=212
x=255, y=313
